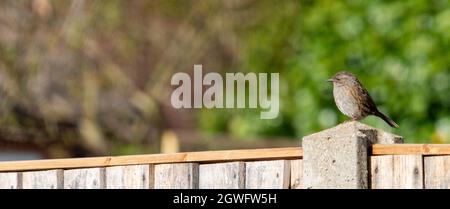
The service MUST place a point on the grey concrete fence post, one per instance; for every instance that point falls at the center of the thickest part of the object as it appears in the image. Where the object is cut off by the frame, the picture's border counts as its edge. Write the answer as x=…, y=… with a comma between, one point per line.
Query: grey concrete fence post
x=338, y=158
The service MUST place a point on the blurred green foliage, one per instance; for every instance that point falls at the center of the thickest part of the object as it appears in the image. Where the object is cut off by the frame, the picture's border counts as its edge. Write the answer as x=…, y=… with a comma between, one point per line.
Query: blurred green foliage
x=400, y=50
x=93, y=77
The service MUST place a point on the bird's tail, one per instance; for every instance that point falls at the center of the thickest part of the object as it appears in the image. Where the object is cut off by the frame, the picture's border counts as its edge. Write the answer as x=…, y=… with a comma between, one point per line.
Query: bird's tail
x=387, y=119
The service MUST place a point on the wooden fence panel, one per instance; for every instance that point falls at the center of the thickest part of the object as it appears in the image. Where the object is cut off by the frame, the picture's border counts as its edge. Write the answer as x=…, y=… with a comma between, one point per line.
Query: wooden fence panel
x=88, y=178
x=176, y=176
x=222, y=176
x=296, y=174
x=267, y=174
x=397, y=172
x=382, y=172
x=10, y=180
x=129, y=177
x=437, y=172
x=49, y=179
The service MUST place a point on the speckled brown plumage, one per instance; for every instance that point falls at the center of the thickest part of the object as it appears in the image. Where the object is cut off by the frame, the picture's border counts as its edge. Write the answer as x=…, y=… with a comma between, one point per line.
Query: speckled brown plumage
x=353, y=100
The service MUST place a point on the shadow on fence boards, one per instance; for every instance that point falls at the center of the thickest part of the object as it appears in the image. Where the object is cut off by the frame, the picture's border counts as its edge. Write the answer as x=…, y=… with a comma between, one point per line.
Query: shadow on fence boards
x=350, y=155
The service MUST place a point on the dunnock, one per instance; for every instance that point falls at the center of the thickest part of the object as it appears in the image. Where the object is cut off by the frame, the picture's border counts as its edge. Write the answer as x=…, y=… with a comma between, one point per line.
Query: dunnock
x=353, y=100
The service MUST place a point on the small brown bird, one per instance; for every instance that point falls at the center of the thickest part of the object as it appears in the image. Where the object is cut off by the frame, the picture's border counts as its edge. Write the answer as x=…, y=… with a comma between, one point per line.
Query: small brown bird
x=353, y=100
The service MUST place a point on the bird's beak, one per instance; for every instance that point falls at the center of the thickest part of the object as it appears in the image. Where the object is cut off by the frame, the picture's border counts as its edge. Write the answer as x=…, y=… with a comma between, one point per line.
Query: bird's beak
x=330, y=80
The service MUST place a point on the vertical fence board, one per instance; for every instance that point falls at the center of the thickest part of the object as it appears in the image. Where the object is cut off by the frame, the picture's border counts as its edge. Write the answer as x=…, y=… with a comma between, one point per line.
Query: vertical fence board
x=129, y=177
x=408, y=171
x=397, y=172
x=88, y=178
x=222, y=176
x=296, y=174
x=9, y=180
x=437, y=172
x=267, y=174
x=176, y=176
x=49, y=179
x=382, y=172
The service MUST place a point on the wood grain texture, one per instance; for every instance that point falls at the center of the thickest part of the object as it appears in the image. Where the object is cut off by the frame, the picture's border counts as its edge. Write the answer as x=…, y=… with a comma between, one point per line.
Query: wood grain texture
x=176, y=176
x=210, y=156
x=129, y=177
x=10, y=180
x=267, y=174
x=50, y=179
x=296, y=174
x=411, y=149
x=206, y=156
x=408, y=171
x=382, y=172
x=222, y=176
x=87, y=178
x=397, y=172
x=437, y=172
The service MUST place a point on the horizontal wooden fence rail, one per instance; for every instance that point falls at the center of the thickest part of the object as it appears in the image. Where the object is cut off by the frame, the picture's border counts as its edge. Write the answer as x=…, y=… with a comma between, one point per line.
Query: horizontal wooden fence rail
x=210, y=157
x=350, y=155
x=411, y=149
x=186, y=157
x=410, y=166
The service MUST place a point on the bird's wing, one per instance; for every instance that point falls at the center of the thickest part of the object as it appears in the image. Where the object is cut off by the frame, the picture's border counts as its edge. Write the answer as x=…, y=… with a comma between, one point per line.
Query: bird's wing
x=368, y=103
